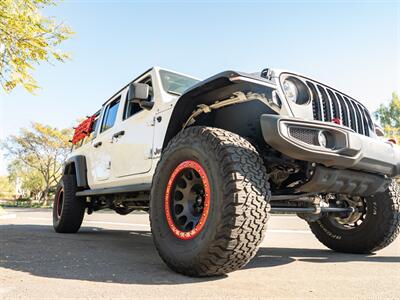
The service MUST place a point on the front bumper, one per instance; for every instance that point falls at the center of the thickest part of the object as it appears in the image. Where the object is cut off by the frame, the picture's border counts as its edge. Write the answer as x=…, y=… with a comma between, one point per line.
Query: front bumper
x=296, y=138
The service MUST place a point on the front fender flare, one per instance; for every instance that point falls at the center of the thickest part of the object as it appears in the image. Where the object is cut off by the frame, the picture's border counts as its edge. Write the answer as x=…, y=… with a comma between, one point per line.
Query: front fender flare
x=216, y=88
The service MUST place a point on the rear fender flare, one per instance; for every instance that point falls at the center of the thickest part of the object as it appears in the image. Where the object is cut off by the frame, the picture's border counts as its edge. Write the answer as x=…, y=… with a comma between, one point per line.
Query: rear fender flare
x=76, y=165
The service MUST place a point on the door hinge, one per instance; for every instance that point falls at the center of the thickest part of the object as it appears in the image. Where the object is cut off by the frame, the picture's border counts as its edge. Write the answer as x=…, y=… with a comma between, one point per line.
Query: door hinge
x=152, y=122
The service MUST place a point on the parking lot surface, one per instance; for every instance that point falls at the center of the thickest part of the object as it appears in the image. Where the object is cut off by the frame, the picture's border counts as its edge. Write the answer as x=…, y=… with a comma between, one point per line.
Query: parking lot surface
x=113, y=256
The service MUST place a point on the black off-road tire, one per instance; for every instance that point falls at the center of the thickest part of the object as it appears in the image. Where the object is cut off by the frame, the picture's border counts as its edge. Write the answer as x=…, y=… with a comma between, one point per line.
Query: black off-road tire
x=68, y=210
x=239, y=206
x=380, y=227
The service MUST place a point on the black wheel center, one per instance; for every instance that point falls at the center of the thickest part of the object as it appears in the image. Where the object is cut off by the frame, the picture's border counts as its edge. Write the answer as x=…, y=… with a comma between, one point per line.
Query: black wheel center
x=353, y=219
x=187, y=201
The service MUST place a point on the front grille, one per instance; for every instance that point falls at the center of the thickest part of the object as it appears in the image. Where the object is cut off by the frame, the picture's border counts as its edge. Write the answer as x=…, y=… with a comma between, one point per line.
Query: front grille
x=330, y=106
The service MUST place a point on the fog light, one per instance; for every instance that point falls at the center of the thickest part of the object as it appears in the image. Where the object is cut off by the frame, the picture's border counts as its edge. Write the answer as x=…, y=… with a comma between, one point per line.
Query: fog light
x=323, y=139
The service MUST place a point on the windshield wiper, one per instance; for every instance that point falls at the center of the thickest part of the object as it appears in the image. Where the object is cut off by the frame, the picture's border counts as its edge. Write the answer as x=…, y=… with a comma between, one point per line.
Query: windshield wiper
x=174, y=93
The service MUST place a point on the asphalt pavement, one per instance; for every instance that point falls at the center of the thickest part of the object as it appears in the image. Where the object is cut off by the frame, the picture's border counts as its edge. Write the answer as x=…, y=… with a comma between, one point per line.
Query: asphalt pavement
x=113, y=256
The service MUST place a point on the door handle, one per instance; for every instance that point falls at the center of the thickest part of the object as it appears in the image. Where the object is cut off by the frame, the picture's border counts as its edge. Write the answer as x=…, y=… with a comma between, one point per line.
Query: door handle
x=98, y=144
x=118, y=134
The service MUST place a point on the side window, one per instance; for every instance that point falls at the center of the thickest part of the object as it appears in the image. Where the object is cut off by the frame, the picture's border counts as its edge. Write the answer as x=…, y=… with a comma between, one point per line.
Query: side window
x=94, y=127
x=133, y=108
x=110, y=115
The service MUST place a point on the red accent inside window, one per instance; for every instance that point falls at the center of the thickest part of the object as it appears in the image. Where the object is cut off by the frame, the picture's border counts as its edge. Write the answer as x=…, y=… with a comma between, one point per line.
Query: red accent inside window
x=83, y=130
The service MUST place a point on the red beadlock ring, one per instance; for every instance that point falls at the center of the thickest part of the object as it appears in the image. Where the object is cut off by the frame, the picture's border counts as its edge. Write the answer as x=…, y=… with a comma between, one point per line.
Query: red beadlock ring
x=58, y=205
x=187, y=235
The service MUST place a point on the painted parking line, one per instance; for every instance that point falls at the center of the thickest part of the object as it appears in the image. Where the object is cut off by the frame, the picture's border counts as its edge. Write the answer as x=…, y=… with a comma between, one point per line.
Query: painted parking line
x=96, y=222
x=289, y=231
x=146, y=226
x=8, y=216
x=117, y=223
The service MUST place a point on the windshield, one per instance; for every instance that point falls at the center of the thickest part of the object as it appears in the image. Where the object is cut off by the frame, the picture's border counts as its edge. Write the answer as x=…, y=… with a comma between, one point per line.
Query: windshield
x=175, y=83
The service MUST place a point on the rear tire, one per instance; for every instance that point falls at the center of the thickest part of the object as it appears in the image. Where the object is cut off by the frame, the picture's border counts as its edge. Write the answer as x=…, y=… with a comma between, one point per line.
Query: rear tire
x=379, y=228
x=233, y=187
x=68, y=210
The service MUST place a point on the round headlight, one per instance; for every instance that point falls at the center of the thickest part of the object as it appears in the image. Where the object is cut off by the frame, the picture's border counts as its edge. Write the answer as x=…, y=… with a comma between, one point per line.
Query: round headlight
x=290, y=90
x=296, y=90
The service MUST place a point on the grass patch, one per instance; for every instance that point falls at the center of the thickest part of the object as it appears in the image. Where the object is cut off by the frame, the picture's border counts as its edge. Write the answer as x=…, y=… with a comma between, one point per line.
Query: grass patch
x=23, y=203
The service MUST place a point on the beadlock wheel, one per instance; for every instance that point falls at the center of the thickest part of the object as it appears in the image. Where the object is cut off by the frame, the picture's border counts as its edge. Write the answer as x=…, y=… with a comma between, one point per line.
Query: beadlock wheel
x=59, y=203
x=374, y=224
x=209, y=202
x=68, y=210
x=187, y=200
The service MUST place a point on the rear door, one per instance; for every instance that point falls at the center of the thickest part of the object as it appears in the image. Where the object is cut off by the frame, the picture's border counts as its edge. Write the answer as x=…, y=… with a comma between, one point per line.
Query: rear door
x=101, y=152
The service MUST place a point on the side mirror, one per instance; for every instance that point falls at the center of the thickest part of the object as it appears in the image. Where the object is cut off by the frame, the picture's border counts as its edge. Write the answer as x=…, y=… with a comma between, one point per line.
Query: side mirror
x=138, y=92
x=148, y=105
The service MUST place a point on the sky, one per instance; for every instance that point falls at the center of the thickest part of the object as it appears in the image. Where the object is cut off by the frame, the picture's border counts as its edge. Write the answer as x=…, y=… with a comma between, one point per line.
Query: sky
x=352, y=45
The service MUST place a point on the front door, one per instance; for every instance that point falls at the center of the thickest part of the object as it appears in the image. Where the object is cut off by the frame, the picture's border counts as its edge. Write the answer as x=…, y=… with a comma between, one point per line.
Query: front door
x=132, y=148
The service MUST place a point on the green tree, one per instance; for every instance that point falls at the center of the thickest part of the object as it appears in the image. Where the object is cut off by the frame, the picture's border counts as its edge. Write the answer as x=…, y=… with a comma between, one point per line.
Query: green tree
x=30, y=180
x=27, y=38
x=39, y=150
x=6, y=187
x=389, y=117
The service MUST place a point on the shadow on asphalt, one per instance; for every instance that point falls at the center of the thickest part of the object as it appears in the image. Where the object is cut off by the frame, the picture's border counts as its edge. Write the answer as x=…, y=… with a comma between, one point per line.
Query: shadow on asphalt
x=127, y=257
x=93, y=254
x=270, y=257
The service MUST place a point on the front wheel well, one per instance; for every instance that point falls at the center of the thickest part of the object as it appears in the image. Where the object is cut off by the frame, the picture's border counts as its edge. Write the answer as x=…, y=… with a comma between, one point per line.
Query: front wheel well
x=240, y=118
x=76, y=165
x=70, y=169
x=245, y=101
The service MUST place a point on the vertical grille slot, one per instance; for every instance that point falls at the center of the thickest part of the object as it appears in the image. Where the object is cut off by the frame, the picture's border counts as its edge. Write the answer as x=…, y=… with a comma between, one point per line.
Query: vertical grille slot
x=326, y=104
x=345, y=111
x=358, y=117
x=354, y=112
x=353, y=121
x=370, y=123
x=364, y=120
x=336, y=109
x=316, y=103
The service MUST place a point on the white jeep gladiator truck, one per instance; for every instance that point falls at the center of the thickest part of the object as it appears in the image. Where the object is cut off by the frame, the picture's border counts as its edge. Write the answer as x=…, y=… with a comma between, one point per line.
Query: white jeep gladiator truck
x=211, y=159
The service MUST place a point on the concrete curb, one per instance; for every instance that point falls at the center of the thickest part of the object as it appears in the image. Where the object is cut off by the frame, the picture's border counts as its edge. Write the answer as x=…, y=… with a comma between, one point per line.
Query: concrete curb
x=6, y=216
